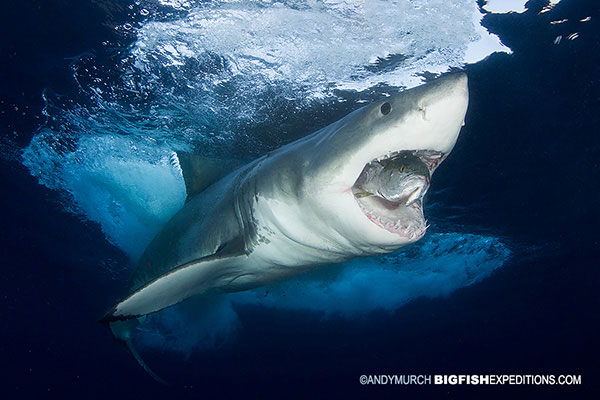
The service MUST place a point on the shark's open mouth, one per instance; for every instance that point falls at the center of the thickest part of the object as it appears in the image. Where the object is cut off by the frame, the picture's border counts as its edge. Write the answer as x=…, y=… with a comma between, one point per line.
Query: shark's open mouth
x=390, y=190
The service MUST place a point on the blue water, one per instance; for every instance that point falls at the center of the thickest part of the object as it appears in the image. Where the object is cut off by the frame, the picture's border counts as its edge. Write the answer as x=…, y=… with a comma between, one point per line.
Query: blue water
x=96, y=95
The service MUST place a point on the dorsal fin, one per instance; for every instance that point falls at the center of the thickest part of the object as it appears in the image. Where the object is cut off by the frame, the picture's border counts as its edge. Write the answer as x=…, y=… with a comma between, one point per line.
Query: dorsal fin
x=200, y=172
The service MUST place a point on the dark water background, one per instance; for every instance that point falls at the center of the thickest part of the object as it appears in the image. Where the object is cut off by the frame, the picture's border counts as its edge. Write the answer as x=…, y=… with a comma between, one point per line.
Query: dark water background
x=528, y=162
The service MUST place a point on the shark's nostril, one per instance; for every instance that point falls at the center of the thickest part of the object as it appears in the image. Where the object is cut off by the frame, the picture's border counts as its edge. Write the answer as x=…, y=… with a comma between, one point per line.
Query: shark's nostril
x=386, y=108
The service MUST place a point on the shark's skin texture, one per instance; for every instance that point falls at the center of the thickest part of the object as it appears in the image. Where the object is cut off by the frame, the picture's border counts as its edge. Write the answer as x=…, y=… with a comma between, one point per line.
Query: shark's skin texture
x=297, y=208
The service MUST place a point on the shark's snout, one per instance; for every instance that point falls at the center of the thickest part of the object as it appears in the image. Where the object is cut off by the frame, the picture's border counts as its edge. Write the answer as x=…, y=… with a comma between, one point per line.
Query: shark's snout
x=442, y=106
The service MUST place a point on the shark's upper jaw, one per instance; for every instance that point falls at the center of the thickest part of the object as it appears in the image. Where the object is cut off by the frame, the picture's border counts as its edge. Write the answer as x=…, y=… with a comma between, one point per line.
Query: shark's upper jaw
x=402, y=215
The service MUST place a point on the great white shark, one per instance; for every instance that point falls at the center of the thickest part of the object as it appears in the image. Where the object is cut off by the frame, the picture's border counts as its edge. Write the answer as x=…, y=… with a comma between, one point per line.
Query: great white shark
x=351, y=189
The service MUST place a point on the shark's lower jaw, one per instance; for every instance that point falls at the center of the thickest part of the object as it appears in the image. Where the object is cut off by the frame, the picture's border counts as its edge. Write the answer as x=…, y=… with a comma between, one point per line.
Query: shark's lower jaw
x=402, y=216
x=407, y=222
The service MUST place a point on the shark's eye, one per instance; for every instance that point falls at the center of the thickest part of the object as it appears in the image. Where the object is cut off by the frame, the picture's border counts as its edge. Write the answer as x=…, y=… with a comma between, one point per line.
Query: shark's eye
x=386, y=108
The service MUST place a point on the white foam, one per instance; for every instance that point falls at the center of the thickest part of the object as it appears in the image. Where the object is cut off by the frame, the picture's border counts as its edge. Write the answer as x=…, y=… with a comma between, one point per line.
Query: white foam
x=319, y=46
x=505, y=6
x=516, y=6
x=486, y=45
x=176, y=4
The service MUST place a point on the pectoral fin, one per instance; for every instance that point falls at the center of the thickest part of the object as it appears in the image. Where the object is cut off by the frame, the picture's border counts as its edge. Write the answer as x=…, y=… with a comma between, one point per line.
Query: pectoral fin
x=178, y=284
x=195, y=277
